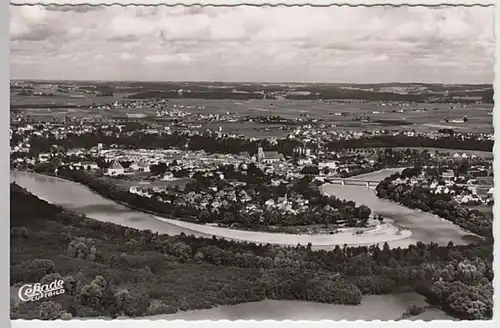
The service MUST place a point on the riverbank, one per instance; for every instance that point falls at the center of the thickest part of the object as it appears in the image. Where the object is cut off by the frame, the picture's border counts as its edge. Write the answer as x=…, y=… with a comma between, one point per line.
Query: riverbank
x=425, y=227
x=64, y=193
x=447, y=209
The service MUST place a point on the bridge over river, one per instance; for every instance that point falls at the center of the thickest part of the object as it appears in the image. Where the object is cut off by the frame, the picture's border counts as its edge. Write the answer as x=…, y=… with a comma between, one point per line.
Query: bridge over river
x=352, y=182
x=373, y=183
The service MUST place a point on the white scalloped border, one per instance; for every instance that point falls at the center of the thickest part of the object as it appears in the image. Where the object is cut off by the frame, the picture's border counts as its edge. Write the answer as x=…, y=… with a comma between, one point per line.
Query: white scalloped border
x=264, y=2
x=285, y=323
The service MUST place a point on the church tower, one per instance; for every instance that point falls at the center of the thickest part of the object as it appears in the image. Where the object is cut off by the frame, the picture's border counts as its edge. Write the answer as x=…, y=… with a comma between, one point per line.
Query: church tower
x=260, y=154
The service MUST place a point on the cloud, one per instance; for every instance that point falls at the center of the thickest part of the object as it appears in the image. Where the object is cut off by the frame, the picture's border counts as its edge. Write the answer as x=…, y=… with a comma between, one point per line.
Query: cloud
x=338, y=44
x=126, y=56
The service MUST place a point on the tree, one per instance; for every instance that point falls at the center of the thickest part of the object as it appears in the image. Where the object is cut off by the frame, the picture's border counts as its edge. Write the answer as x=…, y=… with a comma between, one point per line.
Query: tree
x=364, y=212
x=38, y=268
x=70, y=284
x=50, y=310
x=123, y=301
x=159, y=168
x=313, y=170
x=66, y=316
x=50, y=278
x=19, y=232
x=93, y=293
x=78, y=249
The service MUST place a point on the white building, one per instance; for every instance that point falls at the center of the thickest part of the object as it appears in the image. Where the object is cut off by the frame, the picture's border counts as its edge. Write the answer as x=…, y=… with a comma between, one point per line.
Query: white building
x=268, y=157
x=168, y=176
x=115, y=169
x=44, y=157
x=448, y=175
x=143, y=167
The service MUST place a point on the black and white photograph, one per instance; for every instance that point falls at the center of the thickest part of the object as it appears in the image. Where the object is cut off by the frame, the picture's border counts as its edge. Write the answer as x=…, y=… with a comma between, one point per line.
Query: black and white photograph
x=251, y=163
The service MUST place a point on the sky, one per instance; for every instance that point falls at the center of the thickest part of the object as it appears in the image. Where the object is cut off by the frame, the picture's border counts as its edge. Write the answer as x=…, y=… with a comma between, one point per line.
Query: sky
x=252, y=44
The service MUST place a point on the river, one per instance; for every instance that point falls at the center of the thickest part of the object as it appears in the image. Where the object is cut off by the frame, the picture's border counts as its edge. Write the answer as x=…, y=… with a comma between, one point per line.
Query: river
x=373, y=307
x=425, y=227
x=76, y=197
x=420, y=226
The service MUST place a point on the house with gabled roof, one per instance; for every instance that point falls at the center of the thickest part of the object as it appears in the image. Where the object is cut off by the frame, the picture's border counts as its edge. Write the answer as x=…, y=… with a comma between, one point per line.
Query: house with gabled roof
x=115, y=169
x=143, y=166
x=269, y=157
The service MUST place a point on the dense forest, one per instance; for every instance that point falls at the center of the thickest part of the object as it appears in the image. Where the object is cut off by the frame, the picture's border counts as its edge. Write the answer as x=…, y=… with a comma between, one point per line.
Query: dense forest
x=218, y=94
x=111, y=270
x=442, y=205
x=243, y=91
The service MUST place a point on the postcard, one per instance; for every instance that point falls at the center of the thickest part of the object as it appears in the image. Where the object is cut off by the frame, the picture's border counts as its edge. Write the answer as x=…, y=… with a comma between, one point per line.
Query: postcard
x=251, y=163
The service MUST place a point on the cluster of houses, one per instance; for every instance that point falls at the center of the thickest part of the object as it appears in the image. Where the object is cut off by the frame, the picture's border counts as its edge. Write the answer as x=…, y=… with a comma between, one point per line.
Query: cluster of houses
x=465, y=190
x=213, y=198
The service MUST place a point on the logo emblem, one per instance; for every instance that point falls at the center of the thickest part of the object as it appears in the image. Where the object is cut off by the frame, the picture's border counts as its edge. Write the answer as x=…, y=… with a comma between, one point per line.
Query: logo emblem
x=35, y=292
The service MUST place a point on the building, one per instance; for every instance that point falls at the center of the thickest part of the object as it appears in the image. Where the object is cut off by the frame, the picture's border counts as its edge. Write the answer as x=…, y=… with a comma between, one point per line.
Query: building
x=448, y=175
x=302, y=151
x=330, y=167
x=115, y=169
x=141, y=166
x=44, y=157
x=268, y=157
x=168, y=176
x=88, y=165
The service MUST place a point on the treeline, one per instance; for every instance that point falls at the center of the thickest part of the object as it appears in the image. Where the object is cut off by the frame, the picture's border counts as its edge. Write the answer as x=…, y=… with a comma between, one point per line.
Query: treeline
x=215, y=94
x=111, y=270
x=38, y=105
x=311, y=93
x=231, y=145
x=442, y=205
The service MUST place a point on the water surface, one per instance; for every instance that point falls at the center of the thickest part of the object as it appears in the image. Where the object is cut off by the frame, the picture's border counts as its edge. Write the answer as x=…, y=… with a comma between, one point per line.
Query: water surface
x=373, y=307
x=423, y=226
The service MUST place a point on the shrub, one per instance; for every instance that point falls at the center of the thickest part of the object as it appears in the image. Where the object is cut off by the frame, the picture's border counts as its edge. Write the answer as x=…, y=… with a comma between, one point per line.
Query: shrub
x=50, y=310
x=19, y=232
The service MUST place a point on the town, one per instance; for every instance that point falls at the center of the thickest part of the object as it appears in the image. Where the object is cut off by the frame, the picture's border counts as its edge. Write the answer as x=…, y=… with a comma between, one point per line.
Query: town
x=211, y=174
x=251, y=162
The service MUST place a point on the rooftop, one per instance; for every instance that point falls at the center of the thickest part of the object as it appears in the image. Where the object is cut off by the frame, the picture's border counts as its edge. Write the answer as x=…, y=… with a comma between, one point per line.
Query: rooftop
x=116, y=166
x=272, y=155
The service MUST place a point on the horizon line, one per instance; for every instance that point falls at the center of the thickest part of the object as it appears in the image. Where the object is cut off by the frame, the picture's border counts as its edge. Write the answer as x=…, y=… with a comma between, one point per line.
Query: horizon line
x=241, y=82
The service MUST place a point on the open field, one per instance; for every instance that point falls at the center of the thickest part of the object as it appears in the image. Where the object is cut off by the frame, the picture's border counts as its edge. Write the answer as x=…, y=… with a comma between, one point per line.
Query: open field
x=478, y=115
x=420, y=117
